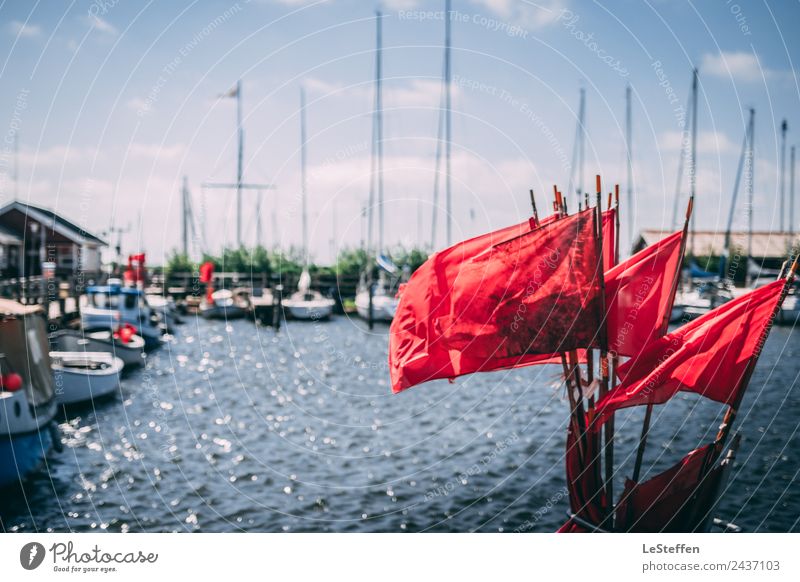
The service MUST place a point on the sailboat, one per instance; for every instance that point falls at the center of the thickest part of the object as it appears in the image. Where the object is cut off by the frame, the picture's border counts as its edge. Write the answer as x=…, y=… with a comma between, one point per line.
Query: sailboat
x=375, y=300
x=306, y=303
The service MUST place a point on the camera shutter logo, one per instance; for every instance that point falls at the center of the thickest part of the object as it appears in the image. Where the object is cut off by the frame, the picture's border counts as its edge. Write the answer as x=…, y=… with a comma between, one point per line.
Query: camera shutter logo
x=31, y=555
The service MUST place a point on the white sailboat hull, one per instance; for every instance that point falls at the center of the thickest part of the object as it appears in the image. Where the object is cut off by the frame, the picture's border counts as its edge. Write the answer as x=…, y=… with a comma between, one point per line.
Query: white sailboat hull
x=383, y=306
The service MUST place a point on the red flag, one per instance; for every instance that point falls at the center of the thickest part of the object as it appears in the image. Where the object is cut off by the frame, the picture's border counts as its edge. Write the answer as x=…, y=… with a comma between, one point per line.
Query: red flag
x=639, y=296
x=708, y=356
x=672, y=501
x=469, y=309
x=586, y=493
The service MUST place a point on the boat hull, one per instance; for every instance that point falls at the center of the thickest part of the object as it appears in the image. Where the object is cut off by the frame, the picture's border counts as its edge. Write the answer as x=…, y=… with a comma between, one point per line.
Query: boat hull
x=219, y=312
x=383, y=307
x=70, y=341
x=22, y=454
x=26, y=436
x=308, y=310
x=74, y=385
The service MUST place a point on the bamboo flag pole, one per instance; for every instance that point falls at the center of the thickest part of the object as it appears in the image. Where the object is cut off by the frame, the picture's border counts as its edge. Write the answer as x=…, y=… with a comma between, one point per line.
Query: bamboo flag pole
x=603, y=340
x=664, y=325
x=533, y=206
x=730, y=415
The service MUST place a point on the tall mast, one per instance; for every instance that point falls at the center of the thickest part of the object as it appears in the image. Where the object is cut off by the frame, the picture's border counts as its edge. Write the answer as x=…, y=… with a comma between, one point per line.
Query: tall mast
x=185, y=216
x=239, y=168
x=791, y=193
x=379, y=122
x=16, y=166
x=303, y=172
x=578, y=152
x=693, y=169
x=743, y=159
x=582, y=142
x=784, y=127
x=258, y=219
x=448, y=121
x=750, y=179
x=629, y=148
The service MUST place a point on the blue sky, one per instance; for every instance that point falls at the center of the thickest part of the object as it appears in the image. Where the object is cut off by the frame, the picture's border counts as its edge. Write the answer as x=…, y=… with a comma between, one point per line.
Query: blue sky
x=114, y=101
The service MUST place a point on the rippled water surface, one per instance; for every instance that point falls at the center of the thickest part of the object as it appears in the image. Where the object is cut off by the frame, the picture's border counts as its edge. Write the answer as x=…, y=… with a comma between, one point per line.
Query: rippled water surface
x=233, y=427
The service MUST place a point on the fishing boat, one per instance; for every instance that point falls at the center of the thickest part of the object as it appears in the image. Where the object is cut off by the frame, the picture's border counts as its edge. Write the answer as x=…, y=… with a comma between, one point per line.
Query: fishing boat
x=85, y=376
x=124, y=343
x=224, y=304
x=27, y=393
x=106, y=307
x=307, y=303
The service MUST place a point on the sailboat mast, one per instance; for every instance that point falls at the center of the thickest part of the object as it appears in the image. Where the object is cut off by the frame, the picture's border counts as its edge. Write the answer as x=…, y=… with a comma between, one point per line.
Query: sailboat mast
x=784, y=127
x=16, y=166
x=379, y=123
x=303, y=185
x=185, y=216
x=791, y=194
x=581, y=144
x=693, y=170
x=239, y=161
x=628, y=148
x=750, y=180
x=448, y=120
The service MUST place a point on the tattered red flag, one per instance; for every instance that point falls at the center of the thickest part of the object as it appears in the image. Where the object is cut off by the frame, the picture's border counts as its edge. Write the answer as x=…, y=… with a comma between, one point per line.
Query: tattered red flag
x=584, y=483
x=639, y=295
x=469, y=309
x=673, y=501
x=708, y=356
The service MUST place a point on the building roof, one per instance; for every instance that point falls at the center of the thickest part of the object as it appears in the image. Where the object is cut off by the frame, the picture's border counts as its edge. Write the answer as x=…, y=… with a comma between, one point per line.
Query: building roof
x=55, y=221
x=708, y=242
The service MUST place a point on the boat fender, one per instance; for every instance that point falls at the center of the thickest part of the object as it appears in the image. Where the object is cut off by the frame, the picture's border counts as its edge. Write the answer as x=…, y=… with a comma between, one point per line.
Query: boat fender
x=10, y=382
x=56, y=435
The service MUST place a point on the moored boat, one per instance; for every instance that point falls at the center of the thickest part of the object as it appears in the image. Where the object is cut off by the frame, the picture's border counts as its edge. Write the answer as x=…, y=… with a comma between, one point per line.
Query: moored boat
x=224, y=304
x=123, y=344
x=105, y=307
x=384, y=300
x=307, y=303
x=83, y=376
x=27, y=394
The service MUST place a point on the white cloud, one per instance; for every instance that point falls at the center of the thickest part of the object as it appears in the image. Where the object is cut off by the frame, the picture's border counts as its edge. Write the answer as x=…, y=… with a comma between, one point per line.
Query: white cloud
x=156, y=151
x=708, y=142
x=401, y=93
x=102, y=25
x=525, y=12
x=738, y=66
x=400, y=4
x=24, y=30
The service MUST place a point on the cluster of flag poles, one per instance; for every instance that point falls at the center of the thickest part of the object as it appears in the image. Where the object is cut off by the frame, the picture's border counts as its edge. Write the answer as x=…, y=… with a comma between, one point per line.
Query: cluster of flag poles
x=553, y=291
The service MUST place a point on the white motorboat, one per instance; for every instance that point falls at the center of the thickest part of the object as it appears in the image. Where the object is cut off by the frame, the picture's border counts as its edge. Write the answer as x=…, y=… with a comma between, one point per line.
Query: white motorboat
x=224, y=305
x=123, y=344
x=27, y=395
x=83, y=376
x=307, y=303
